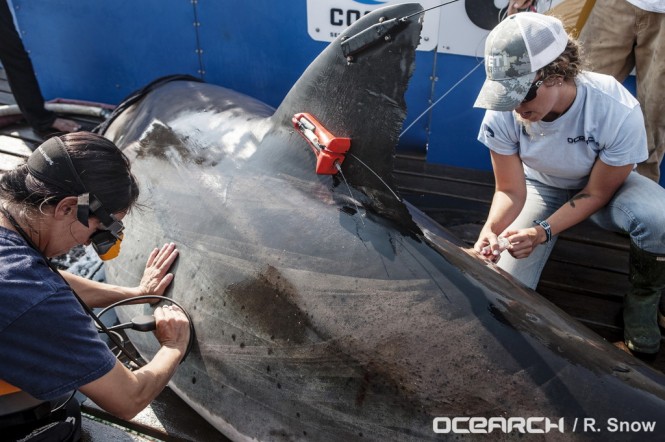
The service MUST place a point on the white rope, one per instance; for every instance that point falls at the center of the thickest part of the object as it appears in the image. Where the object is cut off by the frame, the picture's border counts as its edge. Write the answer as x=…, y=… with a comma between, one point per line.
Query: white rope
x=442, y=97
x=61, y=108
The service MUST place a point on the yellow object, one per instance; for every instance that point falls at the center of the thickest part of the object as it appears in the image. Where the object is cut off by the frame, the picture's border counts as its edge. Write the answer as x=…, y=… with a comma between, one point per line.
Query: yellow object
x=573, y=14
x=6, y=388
x=114, y=251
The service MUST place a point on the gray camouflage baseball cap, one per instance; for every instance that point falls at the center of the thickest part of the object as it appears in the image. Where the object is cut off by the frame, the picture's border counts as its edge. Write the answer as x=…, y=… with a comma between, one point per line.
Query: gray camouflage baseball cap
x=514, y=51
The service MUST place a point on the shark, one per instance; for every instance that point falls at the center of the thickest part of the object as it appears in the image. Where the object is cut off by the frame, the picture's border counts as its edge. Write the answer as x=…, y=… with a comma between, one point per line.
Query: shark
x=327, y=307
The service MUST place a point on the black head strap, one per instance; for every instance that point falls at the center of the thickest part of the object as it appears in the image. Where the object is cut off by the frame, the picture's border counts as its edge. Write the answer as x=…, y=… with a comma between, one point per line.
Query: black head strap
x=51, y=164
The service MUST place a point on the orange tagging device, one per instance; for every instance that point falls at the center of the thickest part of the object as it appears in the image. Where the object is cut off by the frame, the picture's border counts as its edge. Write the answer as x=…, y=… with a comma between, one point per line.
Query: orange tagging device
x=329, y=149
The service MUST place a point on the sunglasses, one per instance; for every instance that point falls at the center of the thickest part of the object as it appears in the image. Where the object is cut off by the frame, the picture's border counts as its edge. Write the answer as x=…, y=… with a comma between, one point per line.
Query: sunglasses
x=532, y=92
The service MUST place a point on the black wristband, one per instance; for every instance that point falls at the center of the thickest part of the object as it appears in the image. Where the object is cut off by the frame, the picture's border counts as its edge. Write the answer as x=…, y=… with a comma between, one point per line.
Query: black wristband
x=546, y=226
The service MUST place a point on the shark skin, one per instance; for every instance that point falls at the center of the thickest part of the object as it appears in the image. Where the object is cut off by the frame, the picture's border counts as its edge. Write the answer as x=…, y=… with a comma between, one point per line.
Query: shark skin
x=329, y=309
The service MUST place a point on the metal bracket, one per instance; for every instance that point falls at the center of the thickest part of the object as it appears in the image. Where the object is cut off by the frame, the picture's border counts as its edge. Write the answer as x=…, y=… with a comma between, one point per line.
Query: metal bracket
x=367, y=37
x=329, y=149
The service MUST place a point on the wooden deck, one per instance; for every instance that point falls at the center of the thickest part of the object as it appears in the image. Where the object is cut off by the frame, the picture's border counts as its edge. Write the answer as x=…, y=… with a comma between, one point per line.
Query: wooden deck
x=586, y=275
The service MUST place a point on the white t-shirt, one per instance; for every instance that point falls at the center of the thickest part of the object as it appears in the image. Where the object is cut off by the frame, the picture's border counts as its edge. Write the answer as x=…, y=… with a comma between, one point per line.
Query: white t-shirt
x=649, y=5
x=605, y=121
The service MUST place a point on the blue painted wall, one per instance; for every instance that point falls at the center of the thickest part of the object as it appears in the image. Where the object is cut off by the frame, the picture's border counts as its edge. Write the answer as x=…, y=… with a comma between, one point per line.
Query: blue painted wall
x=101, y=51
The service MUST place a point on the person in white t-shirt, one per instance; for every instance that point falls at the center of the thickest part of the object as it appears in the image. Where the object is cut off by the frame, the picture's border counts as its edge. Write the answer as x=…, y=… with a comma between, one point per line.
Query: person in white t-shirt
x=564, y=145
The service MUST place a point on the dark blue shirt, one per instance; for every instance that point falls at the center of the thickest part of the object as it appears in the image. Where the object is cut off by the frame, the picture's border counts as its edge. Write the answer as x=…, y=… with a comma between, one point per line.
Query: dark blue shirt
x=48, y=344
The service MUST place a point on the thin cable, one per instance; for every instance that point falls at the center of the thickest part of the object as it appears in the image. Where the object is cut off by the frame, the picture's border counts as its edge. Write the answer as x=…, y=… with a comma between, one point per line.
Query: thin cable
x=428, y=9
x=377, y=175
x=441, y=98
x=339, y=169
x=163, y=298
x=53, y=410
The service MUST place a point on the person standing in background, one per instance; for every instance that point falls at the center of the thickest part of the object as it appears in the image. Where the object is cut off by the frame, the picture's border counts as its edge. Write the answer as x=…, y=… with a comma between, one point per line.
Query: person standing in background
x=23, y=83
x=620, y=35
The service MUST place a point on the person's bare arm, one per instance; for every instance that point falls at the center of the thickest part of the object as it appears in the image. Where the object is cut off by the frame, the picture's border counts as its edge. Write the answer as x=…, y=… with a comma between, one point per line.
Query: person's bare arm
x=507, y=203
x=154, y=282
x=124, y=393
x=604, y=182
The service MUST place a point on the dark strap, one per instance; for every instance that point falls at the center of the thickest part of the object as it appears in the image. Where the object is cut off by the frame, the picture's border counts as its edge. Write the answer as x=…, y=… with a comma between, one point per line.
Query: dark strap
x=51, y=164
x=139, y=94
x=63, y=425
x=37, y=413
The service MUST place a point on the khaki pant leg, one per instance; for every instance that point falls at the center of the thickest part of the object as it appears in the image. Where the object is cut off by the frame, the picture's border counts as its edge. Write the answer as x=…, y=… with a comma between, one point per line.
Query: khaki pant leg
x=608, y=38
x=650, y=71
x=618, y=37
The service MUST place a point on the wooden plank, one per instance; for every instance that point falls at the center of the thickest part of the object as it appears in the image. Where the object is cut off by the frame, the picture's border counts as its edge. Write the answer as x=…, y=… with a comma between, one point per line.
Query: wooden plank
x=6, y=96
x=406, y=163
x=596, y=255
x=16, y=146
x=588, y=233
x=433, y=203
x=580, y=279
x=412, y=182
x=449, y=211
x=9, y=162
x=414, y=176
x=585, y=307
x=21, y=131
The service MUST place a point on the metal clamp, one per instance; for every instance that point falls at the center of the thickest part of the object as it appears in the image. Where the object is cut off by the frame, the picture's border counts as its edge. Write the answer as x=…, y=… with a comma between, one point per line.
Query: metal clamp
x=329, y=149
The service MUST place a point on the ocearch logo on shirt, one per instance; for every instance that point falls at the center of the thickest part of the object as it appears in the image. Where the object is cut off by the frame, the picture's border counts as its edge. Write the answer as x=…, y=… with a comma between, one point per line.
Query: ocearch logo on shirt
x=583, y=139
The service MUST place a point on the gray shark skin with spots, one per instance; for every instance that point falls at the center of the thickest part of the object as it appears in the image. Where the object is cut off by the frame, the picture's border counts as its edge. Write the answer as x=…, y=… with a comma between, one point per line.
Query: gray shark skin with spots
x=326, y=311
